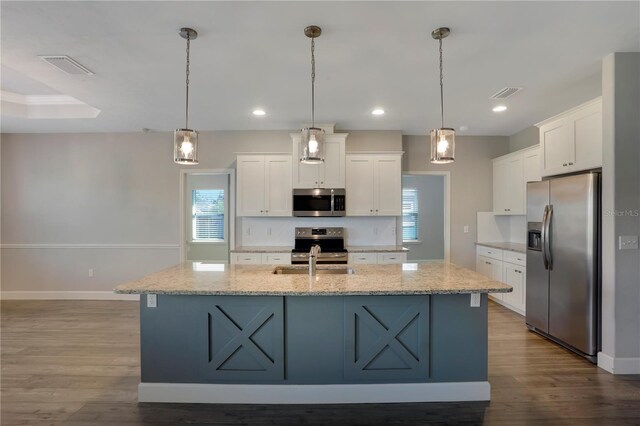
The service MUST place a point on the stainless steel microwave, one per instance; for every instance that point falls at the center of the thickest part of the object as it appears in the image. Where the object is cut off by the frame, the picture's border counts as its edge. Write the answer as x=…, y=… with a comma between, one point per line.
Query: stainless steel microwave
x=318, y=202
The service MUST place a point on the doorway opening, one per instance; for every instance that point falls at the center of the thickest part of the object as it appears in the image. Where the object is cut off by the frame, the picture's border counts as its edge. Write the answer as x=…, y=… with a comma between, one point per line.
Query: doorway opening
x=207, y=215
x=425, y=216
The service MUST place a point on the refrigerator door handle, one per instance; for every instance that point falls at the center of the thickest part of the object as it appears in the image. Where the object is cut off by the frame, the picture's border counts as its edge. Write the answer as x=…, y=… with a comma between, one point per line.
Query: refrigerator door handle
x=543, y=237
x=547, y=239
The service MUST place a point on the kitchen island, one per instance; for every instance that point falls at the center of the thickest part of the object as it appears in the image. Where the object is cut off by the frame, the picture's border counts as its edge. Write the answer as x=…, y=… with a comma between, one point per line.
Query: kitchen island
x=215, y=333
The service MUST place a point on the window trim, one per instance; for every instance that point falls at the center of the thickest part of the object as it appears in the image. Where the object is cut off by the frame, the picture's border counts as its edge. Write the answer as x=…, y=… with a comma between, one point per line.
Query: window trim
x=221, y=241
x=415, y=240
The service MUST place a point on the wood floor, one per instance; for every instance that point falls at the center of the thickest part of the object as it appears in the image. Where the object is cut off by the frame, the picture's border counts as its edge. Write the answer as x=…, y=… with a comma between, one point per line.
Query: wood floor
x=76, y=363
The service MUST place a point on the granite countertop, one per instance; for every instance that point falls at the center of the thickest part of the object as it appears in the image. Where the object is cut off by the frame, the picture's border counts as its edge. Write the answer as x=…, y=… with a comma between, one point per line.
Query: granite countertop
x=262, y=249
x=199, y=278
x=375, y=249
x=517, y=247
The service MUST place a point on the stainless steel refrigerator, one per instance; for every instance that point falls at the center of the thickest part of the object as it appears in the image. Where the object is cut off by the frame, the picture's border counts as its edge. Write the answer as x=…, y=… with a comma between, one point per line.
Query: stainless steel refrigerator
x=563, y=257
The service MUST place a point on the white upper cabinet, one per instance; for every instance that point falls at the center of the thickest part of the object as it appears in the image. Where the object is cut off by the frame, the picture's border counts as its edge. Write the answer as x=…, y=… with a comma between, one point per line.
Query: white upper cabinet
x=511, y=173
x=572, y=141
x=531, y=166
x=264, y=185
x=360, y=186
x=374, y=184
x=277, y=183
x=330, y=174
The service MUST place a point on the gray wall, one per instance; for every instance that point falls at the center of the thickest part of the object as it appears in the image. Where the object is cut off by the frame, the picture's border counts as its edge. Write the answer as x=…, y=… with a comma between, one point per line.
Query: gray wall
x=621, y=194
x=524, y=139
x=109, y=201
x=430, y=216
x=471, y=184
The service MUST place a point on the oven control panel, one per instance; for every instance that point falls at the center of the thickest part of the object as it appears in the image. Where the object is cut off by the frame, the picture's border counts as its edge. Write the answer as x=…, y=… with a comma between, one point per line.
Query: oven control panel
x=319, y=232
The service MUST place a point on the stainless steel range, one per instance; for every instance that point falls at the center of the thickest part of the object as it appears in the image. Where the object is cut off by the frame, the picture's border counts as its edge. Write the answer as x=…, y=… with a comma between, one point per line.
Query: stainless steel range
x=330, y=240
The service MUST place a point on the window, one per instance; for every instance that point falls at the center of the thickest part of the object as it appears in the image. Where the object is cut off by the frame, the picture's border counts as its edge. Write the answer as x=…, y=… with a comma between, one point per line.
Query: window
x=208, y=215
x=409, y=214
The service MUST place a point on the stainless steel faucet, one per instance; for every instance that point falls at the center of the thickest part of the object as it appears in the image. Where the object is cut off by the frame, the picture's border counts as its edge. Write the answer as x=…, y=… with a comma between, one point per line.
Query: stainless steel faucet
x=313, y=257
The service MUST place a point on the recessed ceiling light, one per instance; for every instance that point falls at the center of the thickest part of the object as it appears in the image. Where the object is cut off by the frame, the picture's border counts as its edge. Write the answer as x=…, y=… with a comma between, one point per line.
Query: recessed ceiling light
x=499, y=108
x=378, y=111
x=259, y=112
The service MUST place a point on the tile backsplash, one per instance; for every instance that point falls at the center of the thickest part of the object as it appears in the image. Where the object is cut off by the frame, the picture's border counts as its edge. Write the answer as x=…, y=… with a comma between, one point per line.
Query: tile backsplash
x=279, y=231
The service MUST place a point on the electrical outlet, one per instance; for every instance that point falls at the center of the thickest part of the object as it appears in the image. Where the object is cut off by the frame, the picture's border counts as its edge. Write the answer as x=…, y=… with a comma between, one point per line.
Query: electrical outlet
x=475, y=300
x=628, y=242
x=466, y=229
x=152, y=300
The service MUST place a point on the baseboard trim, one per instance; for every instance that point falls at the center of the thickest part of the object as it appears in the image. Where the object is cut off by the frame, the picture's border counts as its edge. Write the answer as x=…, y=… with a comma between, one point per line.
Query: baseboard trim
x=618, y=365
x=506, y=305
x=66, y=295
x=313, y=394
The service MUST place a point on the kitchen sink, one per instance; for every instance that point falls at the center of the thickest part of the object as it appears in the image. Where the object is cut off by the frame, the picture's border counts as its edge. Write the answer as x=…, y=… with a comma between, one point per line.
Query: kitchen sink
x=280, y=270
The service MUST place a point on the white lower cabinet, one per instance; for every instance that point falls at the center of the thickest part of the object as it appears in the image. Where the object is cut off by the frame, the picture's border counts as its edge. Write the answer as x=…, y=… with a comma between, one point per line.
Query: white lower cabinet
x=510, y=270
x=514, y=275
x=363, y=258
x=246, y=258
x=391, y=258
x=276, y=258
x=261, y=258
x=386, y=258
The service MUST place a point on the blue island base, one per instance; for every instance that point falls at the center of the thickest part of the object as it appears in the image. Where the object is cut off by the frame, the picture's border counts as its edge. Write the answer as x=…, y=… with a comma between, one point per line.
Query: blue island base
x=313, y=349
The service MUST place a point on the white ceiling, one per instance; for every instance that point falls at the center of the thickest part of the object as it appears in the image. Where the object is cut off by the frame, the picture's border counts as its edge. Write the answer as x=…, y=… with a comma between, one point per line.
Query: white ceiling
x=254, y=54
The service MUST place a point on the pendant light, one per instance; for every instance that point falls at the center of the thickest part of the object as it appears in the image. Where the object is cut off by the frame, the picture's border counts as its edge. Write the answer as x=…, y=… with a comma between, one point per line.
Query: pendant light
x=443, y=140
x=312, y=138
x=185, y=141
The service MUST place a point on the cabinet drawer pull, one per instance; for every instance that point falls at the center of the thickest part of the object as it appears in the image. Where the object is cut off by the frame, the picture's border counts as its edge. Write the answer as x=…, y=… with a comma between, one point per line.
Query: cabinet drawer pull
x=488, y=263
x=564, y=165
x=571, y=164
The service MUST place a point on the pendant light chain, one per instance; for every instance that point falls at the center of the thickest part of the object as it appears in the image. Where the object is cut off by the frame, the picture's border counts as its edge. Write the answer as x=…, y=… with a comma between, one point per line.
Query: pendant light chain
x=187, y=81
x=441, y=89
x=313, y=82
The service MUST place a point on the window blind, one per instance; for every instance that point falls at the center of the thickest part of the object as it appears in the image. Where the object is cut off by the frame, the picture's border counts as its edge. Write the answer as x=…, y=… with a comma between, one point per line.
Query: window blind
x=208, y=214
x=409, y=214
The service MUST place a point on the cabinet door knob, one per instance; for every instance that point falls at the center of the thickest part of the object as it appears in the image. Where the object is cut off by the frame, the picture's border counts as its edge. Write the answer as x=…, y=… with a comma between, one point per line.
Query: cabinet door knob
x=321, y=183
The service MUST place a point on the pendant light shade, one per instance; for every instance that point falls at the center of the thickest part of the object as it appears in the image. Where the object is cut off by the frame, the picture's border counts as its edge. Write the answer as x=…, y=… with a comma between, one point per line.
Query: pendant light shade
x=185, y=141
x=443, y=140
x=443, y=145
x=185, y=146
x=312, y=138
x=312, y=145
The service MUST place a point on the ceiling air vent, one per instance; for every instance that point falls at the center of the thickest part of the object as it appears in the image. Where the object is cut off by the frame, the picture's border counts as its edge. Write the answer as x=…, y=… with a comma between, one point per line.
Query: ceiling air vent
x=67, y=64
x=505, y=93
